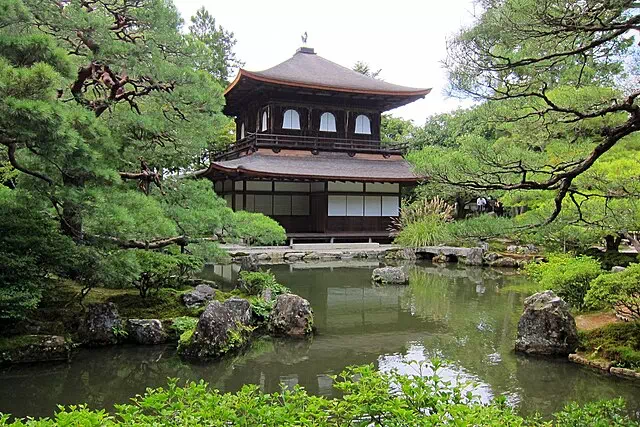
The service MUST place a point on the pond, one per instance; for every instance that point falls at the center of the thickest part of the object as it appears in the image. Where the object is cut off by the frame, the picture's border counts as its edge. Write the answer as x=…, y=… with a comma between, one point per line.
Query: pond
x=467, y=316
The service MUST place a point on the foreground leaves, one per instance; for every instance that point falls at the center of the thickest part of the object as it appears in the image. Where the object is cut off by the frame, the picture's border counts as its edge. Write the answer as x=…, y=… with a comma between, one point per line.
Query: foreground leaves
x=369, y=398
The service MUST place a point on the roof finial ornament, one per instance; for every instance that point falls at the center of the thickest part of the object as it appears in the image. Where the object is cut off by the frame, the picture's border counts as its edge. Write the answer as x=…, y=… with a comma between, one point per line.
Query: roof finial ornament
x=304, y=38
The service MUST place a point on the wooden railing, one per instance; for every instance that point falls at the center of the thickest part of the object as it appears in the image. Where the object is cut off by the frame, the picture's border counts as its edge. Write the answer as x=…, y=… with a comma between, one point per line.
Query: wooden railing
x=314, y=144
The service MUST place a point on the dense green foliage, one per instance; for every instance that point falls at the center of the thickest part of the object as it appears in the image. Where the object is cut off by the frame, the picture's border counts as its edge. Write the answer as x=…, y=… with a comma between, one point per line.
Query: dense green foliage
x=428, y=231
x=617, y=342
x=30, y=247
x=108, y=110
x=423, y=223
x=254, y=282
x=256, y=229
x=568, y=276
x=421, y=400
x=618, y=290
x=427, y=222
x=556, y=128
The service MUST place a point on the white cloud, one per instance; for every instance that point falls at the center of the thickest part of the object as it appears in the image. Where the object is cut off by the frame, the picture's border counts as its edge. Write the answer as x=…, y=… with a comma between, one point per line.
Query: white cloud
x=405, y=38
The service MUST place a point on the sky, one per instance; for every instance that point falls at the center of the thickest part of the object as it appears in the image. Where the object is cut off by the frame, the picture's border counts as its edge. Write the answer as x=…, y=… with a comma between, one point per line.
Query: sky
x=404, y=38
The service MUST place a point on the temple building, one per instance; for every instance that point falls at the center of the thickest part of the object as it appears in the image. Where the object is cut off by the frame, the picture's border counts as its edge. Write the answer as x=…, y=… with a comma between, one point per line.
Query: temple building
x=308, y=150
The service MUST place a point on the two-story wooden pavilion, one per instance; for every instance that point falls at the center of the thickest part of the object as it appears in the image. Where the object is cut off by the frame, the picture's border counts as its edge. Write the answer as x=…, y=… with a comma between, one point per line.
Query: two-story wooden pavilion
x=308, y=150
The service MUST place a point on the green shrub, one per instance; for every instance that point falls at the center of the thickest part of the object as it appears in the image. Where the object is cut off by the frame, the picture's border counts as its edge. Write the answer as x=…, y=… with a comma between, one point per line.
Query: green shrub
x=261, y=309
x=185, y=337
x=254, y=282
x=620, y=290
x=612, y=259
x=184, y=323
x=255, y=229
x=618, y=342
x=568, y=276
x=367, y=398
x=480, y=228
x=427, y=231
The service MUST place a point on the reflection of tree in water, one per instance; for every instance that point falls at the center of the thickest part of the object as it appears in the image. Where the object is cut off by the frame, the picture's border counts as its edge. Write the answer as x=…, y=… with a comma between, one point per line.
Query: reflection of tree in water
x=481, y=322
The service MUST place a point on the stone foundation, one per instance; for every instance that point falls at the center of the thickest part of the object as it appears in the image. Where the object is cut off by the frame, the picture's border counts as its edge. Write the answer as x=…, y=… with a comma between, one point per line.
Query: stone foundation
x=605, y=366
x=438, y=254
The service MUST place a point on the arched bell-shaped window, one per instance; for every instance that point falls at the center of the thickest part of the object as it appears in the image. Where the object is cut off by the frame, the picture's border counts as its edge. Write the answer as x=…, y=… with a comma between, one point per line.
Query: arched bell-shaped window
x=363, y=125
x=242, y=130
x=327, y=122
x=291, y=120
x=264, y=126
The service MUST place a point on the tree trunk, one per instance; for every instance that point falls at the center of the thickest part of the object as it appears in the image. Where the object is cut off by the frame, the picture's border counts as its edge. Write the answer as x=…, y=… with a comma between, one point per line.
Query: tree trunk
x=71, y=221
x=459, y=213
x=612, y=243
x=633, y=241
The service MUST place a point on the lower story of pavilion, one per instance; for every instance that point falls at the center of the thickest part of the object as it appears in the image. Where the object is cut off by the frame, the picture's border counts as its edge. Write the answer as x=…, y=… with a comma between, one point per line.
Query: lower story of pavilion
x=311, y=204
x=336, y=208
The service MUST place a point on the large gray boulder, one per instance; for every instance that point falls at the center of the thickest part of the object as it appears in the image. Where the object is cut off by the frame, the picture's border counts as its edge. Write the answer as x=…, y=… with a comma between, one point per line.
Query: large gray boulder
x=240, y=309
x=101, y=325
x=546, y=326
x=198, y=297
x=146, y=331
x=216, y=333
x=291, y=316
x=390, y=276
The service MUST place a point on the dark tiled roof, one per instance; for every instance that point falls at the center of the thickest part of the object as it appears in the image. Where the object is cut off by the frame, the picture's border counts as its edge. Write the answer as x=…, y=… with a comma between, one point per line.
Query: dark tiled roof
x=306, y=69
x=324, y=166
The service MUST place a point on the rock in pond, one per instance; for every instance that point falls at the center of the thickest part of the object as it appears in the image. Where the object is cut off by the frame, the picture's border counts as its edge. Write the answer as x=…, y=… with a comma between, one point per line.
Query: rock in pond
x=291, y=316
x=217, y=332
x=249, y=263
x=504, y=262
x=546, y=326
x=34, y=348
x=146, y=331
x=473, y=256
x=390, y=276
x=198, y=297
x=240, y=309
x=440, y=259
x=101, y=325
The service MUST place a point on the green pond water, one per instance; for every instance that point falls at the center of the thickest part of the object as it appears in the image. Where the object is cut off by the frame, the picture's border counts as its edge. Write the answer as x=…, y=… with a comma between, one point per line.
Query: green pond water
x=467, y=316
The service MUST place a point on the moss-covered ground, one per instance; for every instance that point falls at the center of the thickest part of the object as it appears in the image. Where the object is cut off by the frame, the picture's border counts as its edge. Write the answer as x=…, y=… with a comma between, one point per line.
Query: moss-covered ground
x=617, y=342
x=61, y=309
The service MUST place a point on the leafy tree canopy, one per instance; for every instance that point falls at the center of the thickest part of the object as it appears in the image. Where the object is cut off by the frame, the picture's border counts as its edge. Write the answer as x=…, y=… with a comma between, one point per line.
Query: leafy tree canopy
x=107, y=108
x=550, y=74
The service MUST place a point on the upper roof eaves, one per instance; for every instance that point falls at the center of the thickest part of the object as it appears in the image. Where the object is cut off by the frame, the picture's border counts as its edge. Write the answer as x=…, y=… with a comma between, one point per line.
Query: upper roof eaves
x=306, y=69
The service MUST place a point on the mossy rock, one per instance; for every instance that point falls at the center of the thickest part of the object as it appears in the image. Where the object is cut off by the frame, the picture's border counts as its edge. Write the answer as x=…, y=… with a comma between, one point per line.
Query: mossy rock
x=218, y=332
x=34, y=348
x=292, y=316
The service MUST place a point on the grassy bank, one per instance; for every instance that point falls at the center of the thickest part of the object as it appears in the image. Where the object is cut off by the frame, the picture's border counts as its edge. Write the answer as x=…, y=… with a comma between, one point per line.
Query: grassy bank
x=616, y=342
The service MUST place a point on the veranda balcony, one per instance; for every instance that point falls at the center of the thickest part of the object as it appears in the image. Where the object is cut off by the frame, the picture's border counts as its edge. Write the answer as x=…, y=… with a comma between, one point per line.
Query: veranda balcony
x=314, y=144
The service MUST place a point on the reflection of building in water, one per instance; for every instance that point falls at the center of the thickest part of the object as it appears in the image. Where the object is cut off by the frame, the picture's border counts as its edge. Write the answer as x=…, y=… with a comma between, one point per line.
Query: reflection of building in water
x=334, y=264
x=229, y=272
x=325, y=385
x=355, y=307
x=289, y=381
